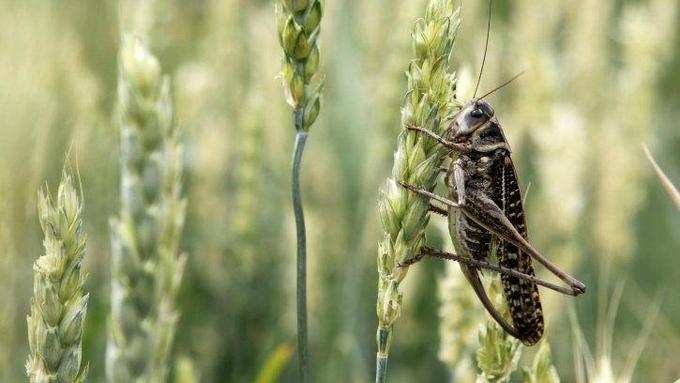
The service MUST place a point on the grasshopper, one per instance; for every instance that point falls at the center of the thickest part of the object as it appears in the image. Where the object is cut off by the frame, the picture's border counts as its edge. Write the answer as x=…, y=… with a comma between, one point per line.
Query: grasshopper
x=486, y=216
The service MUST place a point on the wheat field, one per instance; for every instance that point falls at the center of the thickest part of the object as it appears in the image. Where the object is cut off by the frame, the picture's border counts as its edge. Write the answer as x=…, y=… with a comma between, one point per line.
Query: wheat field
x=168, y=253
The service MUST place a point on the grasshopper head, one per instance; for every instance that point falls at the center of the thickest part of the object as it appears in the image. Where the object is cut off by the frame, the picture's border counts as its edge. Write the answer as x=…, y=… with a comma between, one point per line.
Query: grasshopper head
x=472, y=117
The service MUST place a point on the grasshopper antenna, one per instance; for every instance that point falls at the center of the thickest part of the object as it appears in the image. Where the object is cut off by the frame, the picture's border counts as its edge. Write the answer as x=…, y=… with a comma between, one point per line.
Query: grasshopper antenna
x=486, y=47
x=501, y=86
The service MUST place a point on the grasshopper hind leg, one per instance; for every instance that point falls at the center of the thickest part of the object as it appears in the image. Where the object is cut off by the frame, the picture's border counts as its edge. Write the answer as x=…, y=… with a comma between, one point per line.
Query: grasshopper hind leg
x=472, y=276
x=481, y=244
x=485, y=212
x=527, y=335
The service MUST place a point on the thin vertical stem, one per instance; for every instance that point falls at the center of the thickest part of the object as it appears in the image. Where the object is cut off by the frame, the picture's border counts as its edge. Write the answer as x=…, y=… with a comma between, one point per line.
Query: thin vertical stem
x=382, y=357
x=381, y=368
x=302, y=347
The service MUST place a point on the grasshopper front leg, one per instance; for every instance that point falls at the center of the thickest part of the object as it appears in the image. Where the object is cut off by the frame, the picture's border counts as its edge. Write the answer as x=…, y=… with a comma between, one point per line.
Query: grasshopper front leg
x=437, y=210
x=459, y=181
x=433, y=208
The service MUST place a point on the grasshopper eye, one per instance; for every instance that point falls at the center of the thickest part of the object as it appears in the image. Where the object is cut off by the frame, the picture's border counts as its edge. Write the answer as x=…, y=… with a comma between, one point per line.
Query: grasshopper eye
x=477, y=113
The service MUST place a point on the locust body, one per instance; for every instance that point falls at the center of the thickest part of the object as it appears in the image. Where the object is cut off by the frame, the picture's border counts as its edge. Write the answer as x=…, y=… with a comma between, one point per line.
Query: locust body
x=486, y=175
x=486, y=215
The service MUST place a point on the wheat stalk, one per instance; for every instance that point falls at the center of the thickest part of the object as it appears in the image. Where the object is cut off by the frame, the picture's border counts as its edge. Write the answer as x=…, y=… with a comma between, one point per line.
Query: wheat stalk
x=429, y=102
x=59, y=305
x=146, y=265
x=299, y=25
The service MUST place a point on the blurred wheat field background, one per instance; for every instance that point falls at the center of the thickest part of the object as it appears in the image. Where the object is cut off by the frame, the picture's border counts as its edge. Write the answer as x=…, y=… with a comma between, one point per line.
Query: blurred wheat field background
x=601, y=79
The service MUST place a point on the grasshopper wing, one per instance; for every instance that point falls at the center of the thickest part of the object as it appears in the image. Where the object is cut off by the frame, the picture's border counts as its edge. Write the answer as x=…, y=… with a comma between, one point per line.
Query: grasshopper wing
x=521, y=295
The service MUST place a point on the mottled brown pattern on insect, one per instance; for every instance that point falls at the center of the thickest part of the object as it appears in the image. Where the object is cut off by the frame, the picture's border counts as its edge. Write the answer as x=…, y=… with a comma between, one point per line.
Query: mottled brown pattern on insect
x=485, y=208
x=491, y=179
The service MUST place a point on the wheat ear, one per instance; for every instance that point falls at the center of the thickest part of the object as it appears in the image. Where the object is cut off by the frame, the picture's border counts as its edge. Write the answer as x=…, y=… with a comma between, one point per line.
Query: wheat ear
x=404, y=215
x=146, y=266
x=59, y=305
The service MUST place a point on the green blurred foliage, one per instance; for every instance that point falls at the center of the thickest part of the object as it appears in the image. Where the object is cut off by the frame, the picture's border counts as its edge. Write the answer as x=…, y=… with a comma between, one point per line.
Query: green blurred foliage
x=601, y=78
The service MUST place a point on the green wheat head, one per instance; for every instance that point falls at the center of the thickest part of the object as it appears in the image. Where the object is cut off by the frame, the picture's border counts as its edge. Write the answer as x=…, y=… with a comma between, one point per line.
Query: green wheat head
x=429, y=102
x=299, y=25
x=59, y=305
x=147, y=268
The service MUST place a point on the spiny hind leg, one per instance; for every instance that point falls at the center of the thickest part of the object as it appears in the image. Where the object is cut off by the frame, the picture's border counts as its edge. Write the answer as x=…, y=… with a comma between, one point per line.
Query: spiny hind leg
x=427, y=251
x=432, y=135
x=432, y=252
x=485, y=212
x=412, y=261
x=472, y=275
